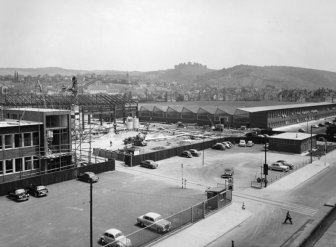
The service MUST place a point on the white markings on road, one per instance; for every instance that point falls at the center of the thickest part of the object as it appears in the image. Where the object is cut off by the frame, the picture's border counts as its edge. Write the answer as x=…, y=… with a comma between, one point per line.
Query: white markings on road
x=75, y=208
x=293, y=207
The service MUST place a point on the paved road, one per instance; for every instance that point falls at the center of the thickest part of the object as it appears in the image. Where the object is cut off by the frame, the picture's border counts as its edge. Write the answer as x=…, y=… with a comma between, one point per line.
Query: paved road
x=265, y=228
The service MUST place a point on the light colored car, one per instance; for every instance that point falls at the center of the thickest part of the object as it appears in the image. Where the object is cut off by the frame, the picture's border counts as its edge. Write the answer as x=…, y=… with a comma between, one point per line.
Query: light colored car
x=88, y=177
x=149, y=164
x=285, y=163
x=186, y=154
x=226, y=144
x=114, y=238
x=277, y=166
x=242, y=143
x=249, y=144
x=154, y=221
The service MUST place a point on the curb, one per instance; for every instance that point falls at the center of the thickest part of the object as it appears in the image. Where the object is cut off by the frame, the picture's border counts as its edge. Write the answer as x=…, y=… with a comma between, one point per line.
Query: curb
x=321, y=222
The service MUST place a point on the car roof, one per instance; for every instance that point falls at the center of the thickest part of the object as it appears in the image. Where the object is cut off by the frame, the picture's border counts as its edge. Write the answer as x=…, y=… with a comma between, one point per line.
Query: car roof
x=113, y=231
x=152, y=215
x=89, y=173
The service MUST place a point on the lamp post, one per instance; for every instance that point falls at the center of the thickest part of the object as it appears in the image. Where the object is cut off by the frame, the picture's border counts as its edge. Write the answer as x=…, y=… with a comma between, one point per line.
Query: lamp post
x=265, y=164
x=325, y=149
x=91, y=240
x=203, y=150
x=311, y=143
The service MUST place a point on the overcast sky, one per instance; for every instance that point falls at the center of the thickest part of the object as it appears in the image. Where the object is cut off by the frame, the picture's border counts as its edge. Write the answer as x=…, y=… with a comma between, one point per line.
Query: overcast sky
x=147, y=35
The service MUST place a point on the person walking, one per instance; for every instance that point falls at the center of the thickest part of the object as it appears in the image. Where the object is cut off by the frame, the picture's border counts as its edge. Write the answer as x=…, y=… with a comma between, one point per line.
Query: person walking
x=110, y=143
x=289, y=218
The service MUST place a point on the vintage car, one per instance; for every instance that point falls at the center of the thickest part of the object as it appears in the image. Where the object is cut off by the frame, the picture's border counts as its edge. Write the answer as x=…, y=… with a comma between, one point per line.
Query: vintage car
x=277, y=166
x=89, y=177
x=186, y=154
x=18, y=195
x=228, y=173
x=285, y=163
x=149, y=164
x=218, y=146
x=114, y=238
x=154, y=221
x=195, y=152
x=249, y=144
x=37, y=190
x=242, y=143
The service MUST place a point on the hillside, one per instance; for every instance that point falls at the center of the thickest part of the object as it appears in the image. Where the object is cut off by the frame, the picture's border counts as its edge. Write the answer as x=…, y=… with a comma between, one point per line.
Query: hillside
x=198, y=74
x=278, y=76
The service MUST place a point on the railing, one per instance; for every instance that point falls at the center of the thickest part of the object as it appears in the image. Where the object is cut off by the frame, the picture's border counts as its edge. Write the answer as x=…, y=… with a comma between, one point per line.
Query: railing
x=188, y=216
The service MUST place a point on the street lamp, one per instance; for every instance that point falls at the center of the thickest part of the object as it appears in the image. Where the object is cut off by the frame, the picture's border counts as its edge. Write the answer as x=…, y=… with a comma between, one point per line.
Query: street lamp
x=311, y=143
x=265, y=164
x=325, y=149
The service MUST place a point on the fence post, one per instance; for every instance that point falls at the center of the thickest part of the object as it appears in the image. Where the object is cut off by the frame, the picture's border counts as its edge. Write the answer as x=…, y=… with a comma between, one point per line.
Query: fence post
x=204, y=210
x=192, y=215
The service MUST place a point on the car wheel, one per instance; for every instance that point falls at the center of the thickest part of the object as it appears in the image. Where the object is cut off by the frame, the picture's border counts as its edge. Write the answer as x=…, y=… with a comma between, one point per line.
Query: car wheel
x=142, y=224
x=159, y=230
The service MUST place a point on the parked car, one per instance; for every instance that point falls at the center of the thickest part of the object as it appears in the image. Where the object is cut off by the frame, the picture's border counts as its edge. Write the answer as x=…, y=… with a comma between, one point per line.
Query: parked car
x=242, y=143
x=180, y=124
x=154, y=221
x=218, y=146
x=285, y=163
x=321, y=124
x=149, y=164
x=18, y=195
x=37, y=190
x=88, y=177
x=195, y=152
x=302, y=130
x=249, y=144
x=277, y=166
x=314, y=126
x=230, y=143
x=227, y=145
x=114, y=238
x=186, y=154
x=228, y=173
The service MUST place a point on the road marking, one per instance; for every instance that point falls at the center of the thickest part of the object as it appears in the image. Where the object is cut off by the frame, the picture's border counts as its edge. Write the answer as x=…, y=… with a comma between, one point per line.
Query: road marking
x=282, y=204
x=75, y=208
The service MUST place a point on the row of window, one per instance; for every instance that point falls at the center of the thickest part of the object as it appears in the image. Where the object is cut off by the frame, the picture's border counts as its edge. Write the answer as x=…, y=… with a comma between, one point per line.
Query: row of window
x=16, y=165
x=19, y=140
x=287, y=113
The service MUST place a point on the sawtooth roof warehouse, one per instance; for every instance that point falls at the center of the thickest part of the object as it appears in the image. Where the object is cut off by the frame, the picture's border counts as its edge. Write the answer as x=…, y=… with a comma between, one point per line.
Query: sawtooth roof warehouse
x=252, y=117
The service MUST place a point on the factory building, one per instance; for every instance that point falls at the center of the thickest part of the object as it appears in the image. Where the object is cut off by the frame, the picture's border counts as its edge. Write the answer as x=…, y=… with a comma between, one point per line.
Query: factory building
x=34, y=140
x=263, y=117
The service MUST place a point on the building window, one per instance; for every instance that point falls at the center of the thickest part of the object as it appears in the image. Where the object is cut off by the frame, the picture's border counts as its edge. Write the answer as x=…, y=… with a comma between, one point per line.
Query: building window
x=8, y=141
x=27, y=139
x=18, y=165
x=27, y=163
x=9, y=166
x=35, y=138
x=0, y=141
x=36, y=163
x=1, y=167
x=18, y=140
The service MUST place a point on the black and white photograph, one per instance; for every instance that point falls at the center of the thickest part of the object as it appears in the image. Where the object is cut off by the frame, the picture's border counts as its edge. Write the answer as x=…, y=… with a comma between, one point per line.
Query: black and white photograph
x=159, y=123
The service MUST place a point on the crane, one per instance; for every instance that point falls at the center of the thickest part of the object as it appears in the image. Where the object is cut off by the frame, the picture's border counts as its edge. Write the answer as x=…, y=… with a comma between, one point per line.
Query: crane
x=39, y=85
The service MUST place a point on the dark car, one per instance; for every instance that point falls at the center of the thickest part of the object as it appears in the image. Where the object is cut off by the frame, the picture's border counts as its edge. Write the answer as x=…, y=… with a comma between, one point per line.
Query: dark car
x=302, y=130
x=321, y=125
x=37, y=190
x=149, y=164
x=88, y=177
x=228, y=173
x=285, y=163
x=186, y=154
x=218, y=146
x=195, y=152
x=18, y=195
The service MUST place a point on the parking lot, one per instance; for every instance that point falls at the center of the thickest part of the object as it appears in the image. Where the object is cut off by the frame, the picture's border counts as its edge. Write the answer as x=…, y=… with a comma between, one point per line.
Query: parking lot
x=62, y=218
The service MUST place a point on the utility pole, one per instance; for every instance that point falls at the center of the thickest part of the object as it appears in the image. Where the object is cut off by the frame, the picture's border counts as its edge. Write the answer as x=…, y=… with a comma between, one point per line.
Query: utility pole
x=91, y=240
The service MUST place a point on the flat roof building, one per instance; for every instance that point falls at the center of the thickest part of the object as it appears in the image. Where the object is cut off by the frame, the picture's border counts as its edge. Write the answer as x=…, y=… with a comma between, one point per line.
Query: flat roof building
x=292, y=142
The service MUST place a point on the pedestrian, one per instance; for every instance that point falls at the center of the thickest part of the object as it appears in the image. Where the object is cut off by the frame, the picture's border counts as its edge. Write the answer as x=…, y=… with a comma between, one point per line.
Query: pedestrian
x=288, y=217
x=110, y=143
